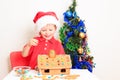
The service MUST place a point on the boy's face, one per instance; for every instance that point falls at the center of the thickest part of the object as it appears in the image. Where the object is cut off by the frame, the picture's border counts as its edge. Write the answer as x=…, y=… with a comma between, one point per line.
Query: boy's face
x=48, y=31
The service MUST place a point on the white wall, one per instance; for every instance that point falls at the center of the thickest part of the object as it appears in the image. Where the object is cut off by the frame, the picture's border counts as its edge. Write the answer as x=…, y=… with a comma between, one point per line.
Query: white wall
x=101, y=19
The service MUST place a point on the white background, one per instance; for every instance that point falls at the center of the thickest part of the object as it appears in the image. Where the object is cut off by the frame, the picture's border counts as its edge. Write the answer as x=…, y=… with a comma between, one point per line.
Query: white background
x=101, y=19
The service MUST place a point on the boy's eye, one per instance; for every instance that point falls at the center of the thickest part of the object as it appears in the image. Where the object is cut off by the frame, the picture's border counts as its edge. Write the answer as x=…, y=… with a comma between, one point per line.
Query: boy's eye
x=50, y=29
x=43, y=30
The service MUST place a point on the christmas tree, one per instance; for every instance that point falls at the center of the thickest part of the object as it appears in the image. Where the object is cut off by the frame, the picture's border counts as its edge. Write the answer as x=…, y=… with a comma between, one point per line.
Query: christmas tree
x=73, y=36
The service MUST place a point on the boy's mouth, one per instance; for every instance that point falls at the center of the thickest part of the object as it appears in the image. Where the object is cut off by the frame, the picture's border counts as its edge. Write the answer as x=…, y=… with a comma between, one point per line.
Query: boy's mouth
x=47, y=36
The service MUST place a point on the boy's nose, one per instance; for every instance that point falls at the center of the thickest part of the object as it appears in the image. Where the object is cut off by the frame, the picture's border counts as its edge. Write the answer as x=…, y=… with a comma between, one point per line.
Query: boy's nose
x=47, y=32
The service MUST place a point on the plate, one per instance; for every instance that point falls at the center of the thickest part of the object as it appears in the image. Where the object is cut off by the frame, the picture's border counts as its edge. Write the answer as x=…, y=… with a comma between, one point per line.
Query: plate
x=21, y=70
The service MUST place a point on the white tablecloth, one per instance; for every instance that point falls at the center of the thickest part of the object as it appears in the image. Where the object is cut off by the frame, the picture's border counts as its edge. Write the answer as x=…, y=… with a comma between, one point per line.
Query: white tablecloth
x=84, y=75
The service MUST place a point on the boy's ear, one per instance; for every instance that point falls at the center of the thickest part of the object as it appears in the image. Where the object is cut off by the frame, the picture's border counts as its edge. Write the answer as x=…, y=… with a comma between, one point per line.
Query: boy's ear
x=39, y=33
x=55, y=27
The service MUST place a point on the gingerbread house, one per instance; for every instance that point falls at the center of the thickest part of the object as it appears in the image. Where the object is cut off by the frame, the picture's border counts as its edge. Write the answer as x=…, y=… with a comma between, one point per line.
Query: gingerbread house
x=54, y=64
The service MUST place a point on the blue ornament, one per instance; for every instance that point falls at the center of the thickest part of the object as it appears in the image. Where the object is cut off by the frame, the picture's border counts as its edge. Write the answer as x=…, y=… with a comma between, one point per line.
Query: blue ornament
x=68, y=14
x=81, y=23
x=74, y=15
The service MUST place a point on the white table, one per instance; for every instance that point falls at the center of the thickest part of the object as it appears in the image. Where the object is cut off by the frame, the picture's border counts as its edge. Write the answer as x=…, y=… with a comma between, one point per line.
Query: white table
x=84, y=75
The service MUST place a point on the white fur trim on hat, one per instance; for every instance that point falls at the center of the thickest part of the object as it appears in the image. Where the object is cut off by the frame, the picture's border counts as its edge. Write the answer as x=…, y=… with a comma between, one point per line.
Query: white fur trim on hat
x=48, y=19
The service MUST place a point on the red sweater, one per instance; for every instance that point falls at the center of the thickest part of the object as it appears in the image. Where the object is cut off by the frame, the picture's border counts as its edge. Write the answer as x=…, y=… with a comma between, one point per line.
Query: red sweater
x=43, y=47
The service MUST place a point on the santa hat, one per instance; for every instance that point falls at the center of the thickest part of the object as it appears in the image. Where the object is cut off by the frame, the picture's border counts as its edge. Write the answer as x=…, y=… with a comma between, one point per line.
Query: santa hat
x=43, y=18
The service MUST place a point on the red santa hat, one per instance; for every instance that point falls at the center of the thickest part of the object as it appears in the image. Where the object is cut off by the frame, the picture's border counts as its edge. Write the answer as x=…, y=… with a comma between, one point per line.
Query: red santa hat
x=43, y=18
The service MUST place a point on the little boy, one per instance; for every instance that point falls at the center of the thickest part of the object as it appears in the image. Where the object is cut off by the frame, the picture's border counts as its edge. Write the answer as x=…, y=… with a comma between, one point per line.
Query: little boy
x=47, y=24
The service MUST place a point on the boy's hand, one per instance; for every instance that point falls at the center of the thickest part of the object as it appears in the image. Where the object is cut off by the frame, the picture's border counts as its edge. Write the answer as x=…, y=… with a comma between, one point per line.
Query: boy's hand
x=33, y=42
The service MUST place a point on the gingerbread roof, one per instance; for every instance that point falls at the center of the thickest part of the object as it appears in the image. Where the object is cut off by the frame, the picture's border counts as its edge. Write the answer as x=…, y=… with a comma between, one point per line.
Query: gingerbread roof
x=58, y=62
